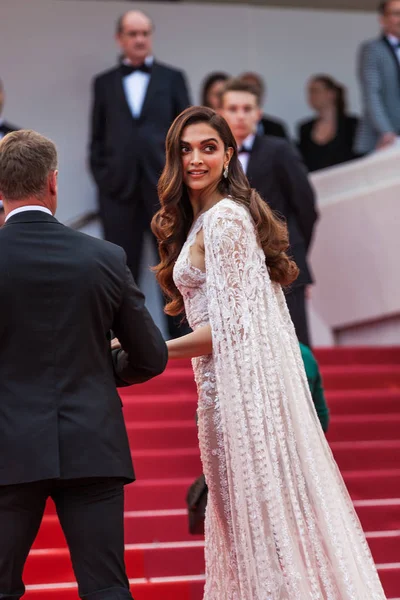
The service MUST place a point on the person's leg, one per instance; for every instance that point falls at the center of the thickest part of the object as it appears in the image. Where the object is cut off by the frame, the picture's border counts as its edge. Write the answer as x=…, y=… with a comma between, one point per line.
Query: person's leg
x=91, y=513
x=21, y=512
x=123, y=225
x=176, y=326
x=296, y=302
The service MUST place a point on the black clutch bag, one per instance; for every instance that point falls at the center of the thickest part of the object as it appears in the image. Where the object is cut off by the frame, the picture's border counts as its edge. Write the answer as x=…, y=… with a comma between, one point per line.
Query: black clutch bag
x=196, y=500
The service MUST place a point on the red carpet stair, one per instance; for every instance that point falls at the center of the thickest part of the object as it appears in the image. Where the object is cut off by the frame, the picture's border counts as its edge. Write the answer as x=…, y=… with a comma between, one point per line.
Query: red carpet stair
x=163, y=561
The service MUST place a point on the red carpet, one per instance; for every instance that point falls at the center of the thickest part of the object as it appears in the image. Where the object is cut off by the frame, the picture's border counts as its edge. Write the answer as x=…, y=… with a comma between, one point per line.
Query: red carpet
x=163, y=560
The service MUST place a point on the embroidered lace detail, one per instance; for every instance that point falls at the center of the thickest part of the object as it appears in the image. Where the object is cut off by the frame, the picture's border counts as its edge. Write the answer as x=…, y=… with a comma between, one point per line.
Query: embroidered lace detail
x=280, y=524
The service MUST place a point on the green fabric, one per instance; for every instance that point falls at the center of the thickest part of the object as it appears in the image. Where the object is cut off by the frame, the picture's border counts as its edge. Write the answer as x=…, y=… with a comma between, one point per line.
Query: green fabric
x=316, y=386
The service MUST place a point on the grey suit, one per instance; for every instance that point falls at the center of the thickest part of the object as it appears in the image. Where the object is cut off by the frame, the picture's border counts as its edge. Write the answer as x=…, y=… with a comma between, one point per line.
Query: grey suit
x=379, y=73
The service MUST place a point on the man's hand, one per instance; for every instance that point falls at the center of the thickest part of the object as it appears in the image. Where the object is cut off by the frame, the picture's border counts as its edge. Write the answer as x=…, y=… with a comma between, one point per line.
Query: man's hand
x=386, y=140
x=115, y=345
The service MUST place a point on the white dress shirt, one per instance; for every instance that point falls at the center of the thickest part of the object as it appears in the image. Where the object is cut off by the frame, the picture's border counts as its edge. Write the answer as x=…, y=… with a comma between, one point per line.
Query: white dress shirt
x=135, y=87
x=27, y=208
x=395, y=42
x=244, y=157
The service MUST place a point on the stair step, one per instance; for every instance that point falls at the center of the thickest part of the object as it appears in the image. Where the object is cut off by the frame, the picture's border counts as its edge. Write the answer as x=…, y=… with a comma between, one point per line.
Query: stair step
x=185, y=588
x=180, y=588
x=166, y=525
x=336, y=377
x=358, y=356
x=183, y=407
x=165, y=494
x=169, y=559
x=375, y=401
x=366, y=455
x=364, y=427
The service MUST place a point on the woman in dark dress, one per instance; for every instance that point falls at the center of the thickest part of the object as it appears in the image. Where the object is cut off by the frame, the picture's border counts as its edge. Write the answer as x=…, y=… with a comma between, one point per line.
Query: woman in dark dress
x=328, y=139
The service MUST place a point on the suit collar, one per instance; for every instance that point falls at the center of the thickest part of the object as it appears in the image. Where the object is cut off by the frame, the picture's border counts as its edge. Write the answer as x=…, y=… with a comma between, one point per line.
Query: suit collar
x=28, y=208
x=31, y=216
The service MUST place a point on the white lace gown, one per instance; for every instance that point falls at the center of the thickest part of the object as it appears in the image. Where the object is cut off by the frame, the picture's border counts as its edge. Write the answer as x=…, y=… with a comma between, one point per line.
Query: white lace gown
x=280, y=524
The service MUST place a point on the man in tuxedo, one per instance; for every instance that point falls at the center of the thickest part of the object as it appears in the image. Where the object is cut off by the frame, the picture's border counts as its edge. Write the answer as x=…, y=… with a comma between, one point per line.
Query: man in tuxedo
x=274, y=168
x=134, y=105
x=5, y=128
x=379, y=74
x=62, y=431
x=267, y=125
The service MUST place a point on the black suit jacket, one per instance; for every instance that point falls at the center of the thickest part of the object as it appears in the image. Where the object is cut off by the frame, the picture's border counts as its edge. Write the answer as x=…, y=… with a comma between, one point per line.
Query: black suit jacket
x=7, y=128
x=123, y=148
x=277, y=172
x=61, y=292
x=274, y=127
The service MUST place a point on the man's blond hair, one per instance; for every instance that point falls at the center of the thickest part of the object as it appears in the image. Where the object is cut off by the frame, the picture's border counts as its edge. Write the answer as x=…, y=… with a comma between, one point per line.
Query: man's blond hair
x=26, y=160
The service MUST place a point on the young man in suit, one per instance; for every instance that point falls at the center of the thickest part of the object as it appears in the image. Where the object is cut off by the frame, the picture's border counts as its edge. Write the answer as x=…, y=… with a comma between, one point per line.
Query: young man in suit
x=379, y=74
x=274, y=168
x=5, y=128
x=134, y=105
x=62, y=430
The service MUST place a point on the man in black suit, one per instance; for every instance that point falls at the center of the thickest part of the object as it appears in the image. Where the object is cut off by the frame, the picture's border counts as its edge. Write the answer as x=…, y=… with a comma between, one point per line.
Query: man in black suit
x=133, y=107
x=5, y=128
x=62, y=431
x=267, y=125
x=274, y=168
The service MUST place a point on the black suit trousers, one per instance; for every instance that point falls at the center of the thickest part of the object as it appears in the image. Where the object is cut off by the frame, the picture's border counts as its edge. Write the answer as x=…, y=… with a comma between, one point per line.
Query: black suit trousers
x=91, y=513
x=296, y=302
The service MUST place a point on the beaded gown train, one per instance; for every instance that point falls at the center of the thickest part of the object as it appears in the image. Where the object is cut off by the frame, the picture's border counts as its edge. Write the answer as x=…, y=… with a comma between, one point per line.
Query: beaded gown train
x=280, y=524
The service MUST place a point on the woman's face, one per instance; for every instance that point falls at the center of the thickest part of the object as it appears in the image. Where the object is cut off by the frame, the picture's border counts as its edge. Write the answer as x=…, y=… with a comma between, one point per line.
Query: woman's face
x=319, y=96
x=204, y=157
x=214, y=94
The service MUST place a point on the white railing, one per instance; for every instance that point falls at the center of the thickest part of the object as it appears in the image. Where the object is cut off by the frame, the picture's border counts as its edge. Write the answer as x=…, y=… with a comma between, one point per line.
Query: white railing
x=356, y=251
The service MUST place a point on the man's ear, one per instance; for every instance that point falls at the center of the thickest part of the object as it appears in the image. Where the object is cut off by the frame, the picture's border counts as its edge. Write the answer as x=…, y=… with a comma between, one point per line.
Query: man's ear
x=53, y=177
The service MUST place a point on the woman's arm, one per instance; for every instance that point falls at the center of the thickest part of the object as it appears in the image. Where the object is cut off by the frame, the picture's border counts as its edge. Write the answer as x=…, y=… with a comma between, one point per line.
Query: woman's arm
x=197, y=343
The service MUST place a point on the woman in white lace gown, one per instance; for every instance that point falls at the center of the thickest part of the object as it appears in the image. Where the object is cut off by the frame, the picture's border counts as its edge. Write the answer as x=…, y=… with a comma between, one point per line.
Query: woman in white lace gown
x=280, y=524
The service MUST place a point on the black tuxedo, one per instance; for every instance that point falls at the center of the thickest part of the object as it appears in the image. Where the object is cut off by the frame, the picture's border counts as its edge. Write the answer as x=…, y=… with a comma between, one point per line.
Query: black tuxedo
x=125, y=150
x=6, y=127
x=61, y=420
x=127, y=154
x=276, y=171
x=273, y=127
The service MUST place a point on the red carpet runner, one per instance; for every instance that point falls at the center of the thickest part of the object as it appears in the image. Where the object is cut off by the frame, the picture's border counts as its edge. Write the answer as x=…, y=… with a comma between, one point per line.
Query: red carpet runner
x=163, y=561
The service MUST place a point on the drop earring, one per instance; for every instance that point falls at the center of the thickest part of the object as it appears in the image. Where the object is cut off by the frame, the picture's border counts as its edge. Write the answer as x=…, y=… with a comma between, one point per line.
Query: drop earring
x=226, y=172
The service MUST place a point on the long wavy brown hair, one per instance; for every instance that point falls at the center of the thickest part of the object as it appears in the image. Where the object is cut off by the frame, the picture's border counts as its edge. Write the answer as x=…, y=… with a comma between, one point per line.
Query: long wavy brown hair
x=171, y=224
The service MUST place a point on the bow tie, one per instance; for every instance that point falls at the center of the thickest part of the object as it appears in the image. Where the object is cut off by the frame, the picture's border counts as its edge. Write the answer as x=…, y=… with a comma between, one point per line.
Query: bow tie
x=244, y=149
x=129, y=69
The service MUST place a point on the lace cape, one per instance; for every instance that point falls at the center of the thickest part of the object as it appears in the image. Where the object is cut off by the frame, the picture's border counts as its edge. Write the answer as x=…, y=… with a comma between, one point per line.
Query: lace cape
x=295, y=532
